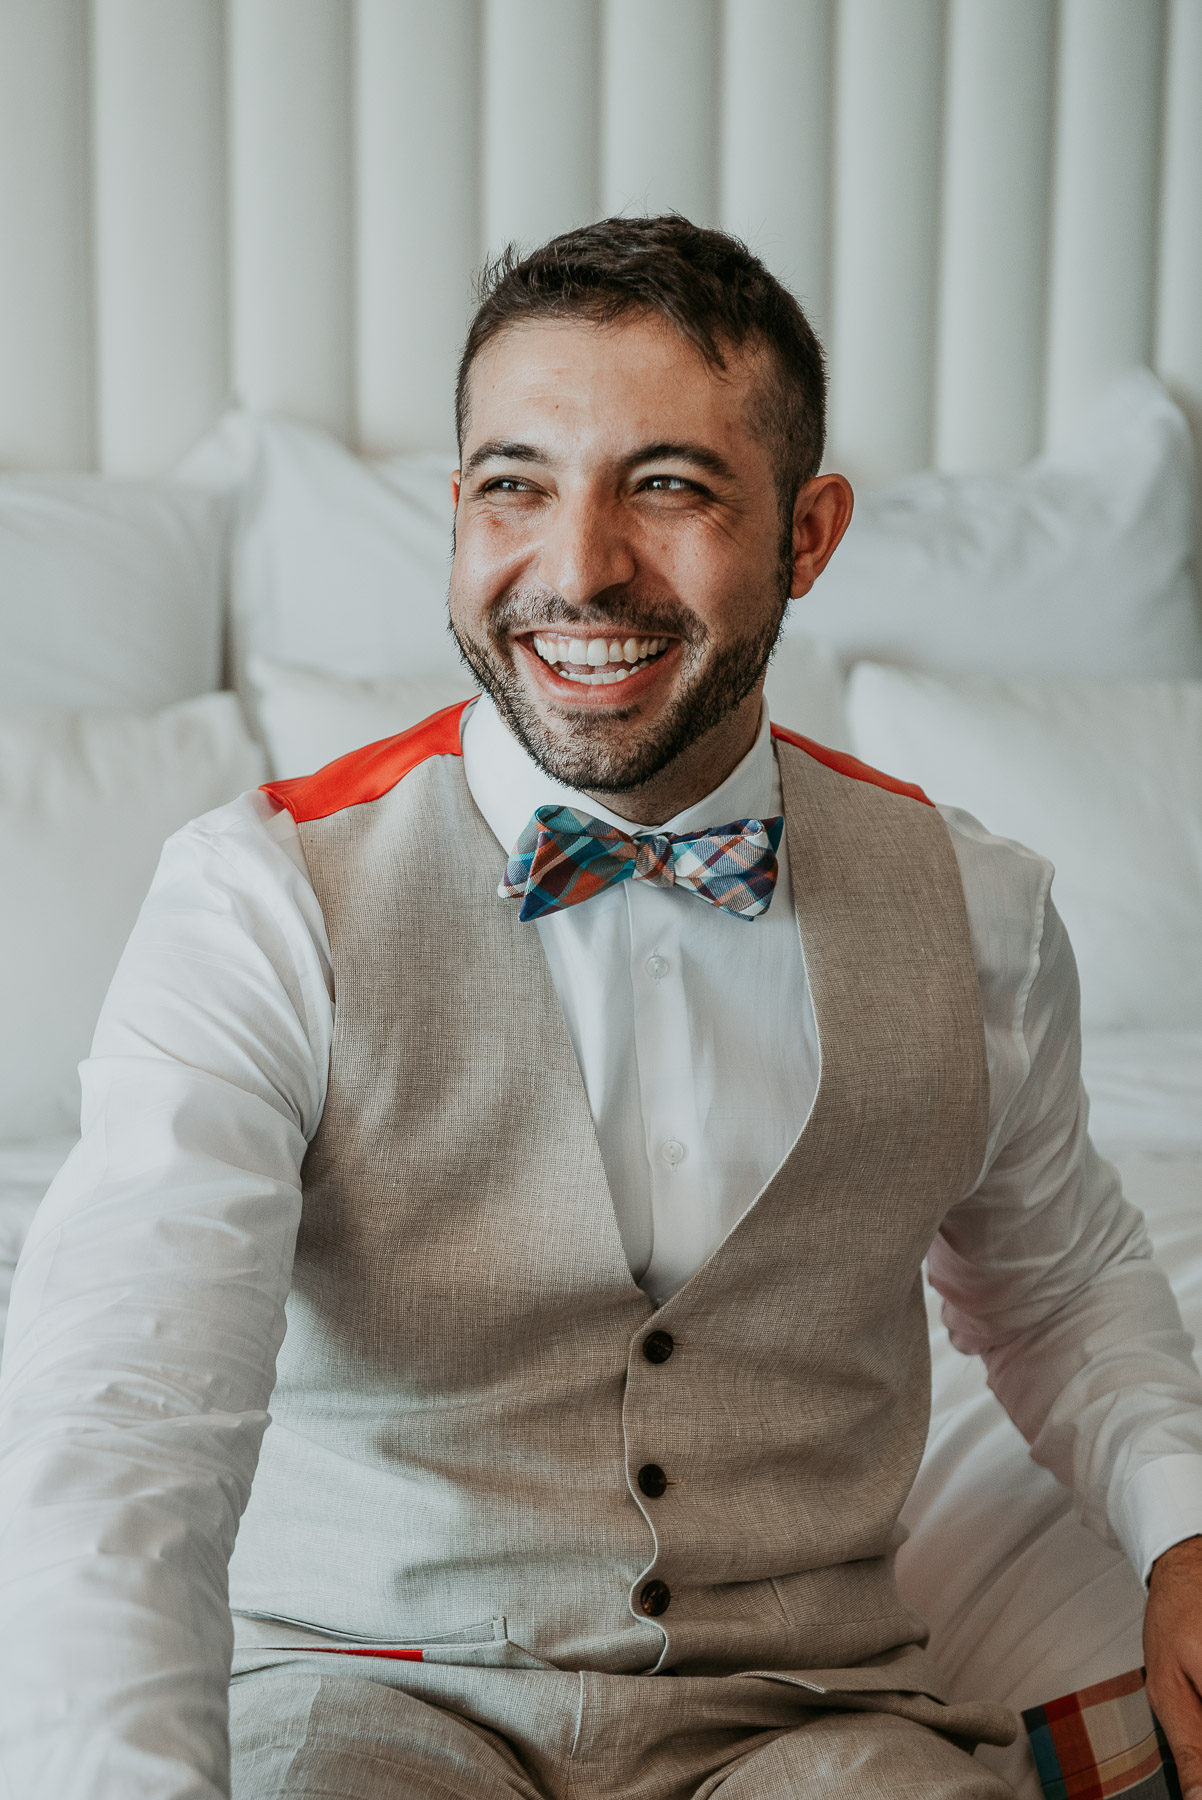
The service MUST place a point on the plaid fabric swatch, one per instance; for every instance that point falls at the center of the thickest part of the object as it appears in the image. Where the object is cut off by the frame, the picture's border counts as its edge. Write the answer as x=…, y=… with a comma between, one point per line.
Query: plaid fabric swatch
x=565, y=856
x=1101, y=1741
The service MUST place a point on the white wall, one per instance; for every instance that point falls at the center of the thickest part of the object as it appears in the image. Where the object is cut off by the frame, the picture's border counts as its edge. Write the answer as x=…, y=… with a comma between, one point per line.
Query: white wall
x=988, y=205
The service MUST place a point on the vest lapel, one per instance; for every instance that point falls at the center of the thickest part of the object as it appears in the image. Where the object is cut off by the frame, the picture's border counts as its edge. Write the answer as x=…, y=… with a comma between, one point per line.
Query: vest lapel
x=869, y=948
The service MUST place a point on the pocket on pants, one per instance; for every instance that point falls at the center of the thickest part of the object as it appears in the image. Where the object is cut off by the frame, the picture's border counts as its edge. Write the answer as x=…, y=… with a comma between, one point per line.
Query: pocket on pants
x=261, y=1639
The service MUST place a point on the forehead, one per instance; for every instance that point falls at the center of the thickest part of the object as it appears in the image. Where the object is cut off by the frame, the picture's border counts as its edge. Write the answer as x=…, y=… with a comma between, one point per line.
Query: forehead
x=635, y=379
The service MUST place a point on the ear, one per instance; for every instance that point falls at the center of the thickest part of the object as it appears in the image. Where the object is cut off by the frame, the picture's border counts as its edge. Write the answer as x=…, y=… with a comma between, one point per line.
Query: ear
x=456, y=483
x=821, y=514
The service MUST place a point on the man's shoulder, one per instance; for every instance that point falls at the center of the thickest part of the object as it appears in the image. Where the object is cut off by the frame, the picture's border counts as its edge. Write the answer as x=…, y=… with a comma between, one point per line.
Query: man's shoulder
x=368, y=774
x=1007, y=896
x=851, y=766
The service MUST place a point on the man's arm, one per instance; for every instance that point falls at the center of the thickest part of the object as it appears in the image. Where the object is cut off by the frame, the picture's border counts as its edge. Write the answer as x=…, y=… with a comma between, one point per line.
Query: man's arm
x=146, y=1316
x=1046, y=1272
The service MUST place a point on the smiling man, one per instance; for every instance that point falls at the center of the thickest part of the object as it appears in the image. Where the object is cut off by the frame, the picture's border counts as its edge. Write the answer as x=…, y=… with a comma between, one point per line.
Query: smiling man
x=548, y=1111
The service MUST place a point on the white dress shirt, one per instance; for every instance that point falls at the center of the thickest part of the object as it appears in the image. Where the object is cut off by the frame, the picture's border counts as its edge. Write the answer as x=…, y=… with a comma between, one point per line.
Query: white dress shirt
x=148, y=1306
x=696, y=1103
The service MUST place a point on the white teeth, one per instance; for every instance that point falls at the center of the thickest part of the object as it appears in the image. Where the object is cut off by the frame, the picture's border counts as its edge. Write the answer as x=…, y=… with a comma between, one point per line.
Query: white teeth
x=594, y=654
x=596, y=677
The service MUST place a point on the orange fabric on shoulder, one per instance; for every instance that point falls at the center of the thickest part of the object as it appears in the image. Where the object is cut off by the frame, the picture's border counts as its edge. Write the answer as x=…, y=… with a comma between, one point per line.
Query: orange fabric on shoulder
x=850, y=765
x=366, y=774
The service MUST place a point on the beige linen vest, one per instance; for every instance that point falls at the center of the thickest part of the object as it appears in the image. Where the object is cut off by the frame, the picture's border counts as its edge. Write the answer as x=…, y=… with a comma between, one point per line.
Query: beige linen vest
x=464, y=1400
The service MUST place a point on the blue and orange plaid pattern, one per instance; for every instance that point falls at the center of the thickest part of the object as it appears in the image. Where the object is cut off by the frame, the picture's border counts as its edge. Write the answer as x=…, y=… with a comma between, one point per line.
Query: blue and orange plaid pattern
x=565, y=856
x=1101, y=1741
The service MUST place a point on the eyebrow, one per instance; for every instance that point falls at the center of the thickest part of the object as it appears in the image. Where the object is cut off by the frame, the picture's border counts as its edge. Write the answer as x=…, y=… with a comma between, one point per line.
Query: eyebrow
x=504, y=450
x=697, y=454
x=511, y=450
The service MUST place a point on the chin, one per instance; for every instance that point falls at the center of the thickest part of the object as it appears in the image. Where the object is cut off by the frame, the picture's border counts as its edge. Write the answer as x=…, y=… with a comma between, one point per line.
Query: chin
x=611, y=753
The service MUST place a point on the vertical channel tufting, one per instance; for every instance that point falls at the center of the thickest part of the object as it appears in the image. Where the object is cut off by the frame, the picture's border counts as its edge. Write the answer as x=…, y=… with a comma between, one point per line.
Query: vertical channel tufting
x=159, y=221
x=1179, y=288
x=997, y=168
x=886, y=216
x=416, y=151
x=990, y=206
x=659, y=100
x=539, y=164
x=1105, y=203
x=46, y=291
x=776, y=130
x=290, y=154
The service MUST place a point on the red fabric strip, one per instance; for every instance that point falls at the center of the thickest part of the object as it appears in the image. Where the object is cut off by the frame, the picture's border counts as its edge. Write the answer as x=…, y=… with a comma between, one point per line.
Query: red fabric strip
x=850, y=765
x=343, y=1650
x=367, y=774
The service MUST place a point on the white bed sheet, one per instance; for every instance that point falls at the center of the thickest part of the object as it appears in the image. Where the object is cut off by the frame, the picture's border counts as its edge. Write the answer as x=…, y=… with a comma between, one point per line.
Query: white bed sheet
x=1023, y=1602
x=1145, y=1090
x=26, y=1171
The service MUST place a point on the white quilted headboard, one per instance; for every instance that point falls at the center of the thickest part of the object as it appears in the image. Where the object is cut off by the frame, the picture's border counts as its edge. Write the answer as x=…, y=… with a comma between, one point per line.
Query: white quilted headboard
x=989, y=205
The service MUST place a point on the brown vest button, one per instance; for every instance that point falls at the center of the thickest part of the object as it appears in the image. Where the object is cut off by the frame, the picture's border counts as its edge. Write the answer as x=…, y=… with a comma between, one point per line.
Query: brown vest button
x=655, y=1598
x=652, y=1480
x=658, y=1347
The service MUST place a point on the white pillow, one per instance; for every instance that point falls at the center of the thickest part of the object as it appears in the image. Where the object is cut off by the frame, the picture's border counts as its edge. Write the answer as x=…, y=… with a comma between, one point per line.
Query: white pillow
x=110, y=591
x=1075, y=565
x=338, y=564
x=805, y=690
x=309, y=718
x=1103, y=778
x=86, y=800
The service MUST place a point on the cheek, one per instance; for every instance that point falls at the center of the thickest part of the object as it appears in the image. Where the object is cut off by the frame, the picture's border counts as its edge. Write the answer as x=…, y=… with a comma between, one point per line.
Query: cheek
x=491, y=552
x=481, y=567
x=715, y=574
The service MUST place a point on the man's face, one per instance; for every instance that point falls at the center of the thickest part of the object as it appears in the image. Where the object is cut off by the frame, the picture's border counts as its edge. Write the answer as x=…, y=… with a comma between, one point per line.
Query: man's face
x=618, y=582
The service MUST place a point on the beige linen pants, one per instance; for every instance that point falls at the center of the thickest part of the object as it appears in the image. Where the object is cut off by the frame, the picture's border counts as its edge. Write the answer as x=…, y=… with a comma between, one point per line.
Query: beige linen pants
x=316, y=1727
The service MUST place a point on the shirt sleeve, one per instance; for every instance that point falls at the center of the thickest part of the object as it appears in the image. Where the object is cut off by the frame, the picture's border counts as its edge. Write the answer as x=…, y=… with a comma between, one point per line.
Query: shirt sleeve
x=1045, y=1269
x=147, y=1311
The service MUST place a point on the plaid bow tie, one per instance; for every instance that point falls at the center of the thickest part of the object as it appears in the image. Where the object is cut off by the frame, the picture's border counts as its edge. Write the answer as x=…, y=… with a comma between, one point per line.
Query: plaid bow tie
x=564, y=857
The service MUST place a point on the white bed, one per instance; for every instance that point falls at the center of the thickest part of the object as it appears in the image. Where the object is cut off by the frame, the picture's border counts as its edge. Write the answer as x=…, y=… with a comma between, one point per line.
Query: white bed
x=26, y=1171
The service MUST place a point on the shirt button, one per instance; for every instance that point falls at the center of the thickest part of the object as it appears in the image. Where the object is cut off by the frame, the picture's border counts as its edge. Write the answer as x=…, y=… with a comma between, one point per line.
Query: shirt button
x=655, y=1598
x=673, y=1153
x=658, y=1346
x=657, y=966
x=652, y=1481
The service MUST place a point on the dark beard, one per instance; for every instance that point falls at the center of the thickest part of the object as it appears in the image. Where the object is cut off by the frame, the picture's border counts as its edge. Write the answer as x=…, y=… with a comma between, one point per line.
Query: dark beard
x=597, y=757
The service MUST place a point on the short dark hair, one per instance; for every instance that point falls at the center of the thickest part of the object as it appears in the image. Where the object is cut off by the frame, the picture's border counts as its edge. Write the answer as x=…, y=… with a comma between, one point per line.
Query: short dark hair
x=706, y=283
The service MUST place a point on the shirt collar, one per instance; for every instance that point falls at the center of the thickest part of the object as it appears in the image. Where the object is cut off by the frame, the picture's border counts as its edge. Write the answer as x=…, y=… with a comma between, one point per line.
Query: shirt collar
x=508, y=785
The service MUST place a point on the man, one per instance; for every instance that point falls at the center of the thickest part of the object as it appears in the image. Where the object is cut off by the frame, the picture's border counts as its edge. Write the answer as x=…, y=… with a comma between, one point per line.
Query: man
x=591, y=1070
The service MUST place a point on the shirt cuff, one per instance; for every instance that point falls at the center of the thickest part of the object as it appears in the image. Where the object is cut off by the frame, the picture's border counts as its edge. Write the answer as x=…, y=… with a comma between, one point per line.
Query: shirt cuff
x=1161, y=1505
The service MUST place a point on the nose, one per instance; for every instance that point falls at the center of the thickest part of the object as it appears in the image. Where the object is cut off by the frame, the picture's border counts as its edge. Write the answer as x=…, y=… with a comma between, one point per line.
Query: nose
x=585, y=549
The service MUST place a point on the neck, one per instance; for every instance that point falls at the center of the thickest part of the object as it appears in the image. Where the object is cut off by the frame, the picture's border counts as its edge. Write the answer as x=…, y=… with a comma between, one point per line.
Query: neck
x=693, y=774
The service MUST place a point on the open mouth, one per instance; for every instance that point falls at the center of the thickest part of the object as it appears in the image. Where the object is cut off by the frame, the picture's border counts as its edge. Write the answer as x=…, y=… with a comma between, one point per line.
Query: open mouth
x=598, y=661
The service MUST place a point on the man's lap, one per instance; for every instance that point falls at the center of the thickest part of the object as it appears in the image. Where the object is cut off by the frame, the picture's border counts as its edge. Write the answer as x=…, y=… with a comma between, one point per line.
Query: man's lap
x=306, y=1730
